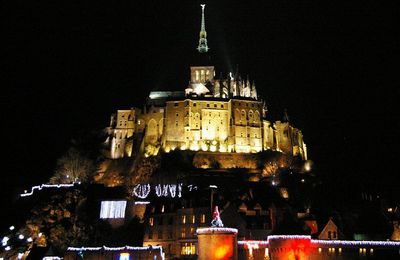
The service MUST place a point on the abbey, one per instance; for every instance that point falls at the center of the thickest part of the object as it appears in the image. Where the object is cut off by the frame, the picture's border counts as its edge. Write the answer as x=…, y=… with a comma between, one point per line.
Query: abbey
x=210, y=114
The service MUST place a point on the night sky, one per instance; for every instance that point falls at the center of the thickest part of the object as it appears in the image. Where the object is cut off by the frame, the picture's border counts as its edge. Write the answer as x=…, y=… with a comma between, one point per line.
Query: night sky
x=334, y=66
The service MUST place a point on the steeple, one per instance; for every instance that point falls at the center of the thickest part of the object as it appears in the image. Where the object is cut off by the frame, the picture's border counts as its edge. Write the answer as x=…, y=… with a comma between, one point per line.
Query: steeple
x=202, y=48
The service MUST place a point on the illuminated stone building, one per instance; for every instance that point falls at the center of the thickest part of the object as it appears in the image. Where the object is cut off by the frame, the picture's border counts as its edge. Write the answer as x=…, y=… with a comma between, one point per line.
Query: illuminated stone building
x=175, y=229
x=211, y=114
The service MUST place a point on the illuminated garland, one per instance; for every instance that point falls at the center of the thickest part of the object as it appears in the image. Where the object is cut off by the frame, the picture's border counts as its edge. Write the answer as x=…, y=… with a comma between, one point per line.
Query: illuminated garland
x=106, y=248
x=216, y=230
x=142, y=202
x=142, y=190
x=283, y=237
x=343, y=243
x=162, y=190
x=253, y=242
x=40, y=187
x=355, y=243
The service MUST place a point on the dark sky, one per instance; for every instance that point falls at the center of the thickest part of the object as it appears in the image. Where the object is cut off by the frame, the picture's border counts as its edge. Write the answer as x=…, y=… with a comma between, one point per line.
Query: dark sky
x=334, y=66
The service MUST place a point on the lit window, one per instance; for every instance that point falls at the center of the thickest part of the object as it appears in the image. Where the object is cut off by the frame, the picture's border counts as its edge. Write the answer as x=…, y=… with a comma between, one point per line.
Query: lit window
x=151, y=222
x=124, y=256
x=183, y=233
x=202, y=218
x=188, y=249
x=193, y=219
x=162, y=209
x=183, y=219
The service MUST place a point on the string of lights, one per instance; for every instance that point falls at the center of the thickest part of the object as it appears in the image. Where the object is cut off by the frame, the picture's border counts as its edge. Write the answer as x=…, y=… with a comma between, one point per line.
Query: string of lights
x=120, y=248
x=253, y=242
x=40, y=187
x=356, y=243
x=216, y=230
x=344, y=243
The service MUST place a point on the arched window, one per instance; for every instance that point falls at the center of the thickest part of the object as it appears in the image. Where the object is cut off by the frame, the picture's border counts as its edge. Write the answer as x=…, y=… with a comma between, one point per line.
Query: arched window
x=243, y=117
x=251, y=116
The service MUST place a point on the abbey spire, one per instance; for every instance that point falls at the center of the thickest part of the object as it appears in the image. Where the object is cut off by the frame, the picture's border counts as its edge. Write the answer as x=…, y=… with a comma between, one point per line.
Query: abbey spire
x=203, y=34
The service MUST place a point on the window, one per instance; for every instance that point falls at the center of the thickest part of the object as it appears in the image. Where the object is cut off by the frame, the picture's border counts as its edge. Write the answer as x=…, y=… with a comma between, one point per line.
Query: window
x=177, y=114
x=183, y=219
x=183, y=233
x=124, y=256
x=215, y=105
x=193, y=220
x=202, y=218
x=194, y=104
x=208, y=105
x=151, y=222
x=176, y=104
x=188, y=248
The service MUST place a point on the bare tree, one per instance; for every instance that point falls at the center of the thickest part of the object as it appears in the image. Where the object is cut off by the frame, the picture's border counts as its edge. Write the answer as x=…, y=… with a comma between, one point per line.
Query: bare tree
x=73, y=167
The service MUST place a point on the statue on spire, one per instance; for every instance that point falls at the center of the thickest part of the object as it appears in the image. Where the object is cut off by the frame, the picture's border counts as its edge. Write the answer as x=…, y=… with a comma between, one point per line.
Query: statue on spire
x=203, y=34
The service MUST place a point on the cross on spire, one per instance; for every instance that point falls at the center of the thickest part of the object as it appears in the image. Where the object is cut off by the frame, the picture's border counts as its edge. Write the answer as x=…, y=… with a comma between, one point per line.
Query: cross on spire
x=203, y=34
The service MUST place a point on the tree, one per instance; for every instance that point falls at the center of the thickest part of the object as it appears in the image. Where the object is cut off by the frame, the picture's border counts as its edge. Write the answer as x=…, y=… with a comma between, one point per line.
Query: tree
x=72, y=167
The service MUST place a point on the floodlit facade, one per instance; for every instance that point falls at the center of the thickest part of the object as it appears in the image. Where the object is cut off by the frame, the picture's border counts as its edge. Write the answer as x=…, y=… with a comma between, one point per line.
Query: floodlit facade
x=212, y=114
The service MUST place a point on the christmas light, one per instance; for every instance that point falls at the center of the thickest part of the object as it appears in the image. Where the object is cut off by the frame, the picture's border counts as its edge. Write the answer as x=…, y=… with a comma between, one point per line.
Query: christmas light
x=12, y=228
x=142, y=202
x=20, y=255
x=317, y=242
x=21, y=236
x=4, y=241
x=52, y=258
x=40, y=187
x=355, y=243
x=7, y=248
x=166, y=190
x=253, y=242
x=216, y=230
x=142, y=190
x=29, y=239
x=112, y=209
x=106, y=248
